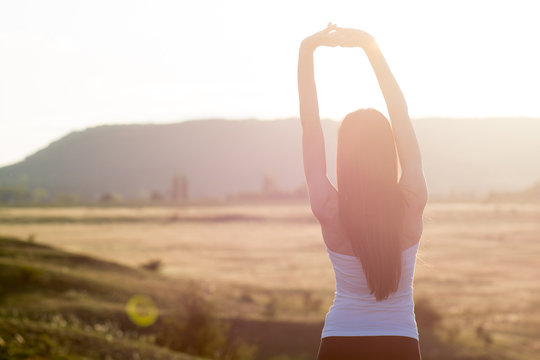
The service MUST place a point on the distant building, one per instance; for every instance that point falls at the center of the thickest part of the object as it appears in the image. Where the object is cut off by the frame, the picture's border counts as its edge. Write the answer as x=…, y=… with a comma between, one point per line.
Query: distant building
x=179, y=190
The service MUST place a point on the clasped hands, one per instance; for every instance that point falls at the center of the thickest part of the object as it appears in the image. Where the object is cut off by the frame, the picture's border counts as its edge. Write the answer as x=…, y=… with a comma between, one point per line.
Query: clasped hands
x=334, y=36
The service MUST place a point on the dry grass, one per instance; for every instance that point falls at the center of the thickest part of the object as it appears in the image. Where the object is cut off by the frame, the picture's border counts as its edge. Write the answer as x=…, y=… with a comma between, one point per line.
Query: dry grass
x=478, y=263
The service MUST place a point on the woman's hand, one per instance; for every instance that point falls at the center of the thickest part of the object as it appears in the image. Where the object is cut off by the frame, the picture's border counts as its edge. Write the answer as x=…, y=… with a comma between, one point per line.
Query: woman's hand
x=346, y=37
x=322, y=38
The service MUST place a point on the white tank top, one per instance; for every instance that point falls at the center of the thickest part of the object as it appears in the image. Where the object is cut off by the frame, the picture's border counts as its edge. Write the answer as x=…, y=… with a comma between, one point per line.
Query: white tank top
x=355, y=312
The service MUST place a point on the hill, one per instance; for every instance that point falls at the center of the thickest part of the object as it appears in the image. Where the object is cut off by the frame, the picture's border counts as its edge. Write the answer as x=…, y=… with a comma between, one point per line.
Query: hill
x=529, y=194
x=59, y=305
x=221, y=157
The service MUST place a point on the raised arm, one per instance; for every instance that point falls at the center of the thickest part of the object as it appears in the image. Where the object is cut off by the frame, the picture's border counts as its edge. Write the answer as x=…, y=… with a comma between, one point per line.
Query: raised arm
x=412, y=180
x=320, y=189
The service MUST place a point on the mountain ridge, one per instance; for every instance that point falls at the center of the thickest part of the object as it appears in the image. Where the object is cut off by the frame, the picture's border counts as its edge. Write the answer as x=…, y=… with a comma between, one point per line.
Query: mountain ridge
x=222, y=157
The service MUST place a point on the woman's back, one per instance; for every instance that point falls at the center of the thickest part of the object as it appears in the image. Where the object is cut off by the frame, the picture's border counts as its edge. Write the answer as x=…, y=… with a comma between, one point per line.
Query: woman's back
x=356, y=312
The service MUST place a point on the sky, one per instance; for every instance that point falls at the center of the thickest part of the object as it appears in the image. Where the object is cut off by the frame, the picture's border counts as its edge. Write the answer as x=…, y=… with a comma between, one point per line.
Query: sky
x=68, y=65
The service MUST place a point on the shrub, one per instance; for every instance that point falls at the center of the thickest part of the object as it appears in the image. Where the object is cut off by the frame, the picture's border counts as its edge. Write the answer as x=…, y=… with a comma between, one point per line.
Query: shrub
x=154, y=265
x=194, y=328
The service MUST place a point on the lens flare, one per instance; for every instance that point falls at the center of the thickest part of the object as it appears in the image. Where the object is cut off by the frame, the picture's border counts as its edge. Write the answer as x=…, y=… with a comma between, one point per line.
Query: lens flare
x=141, y=310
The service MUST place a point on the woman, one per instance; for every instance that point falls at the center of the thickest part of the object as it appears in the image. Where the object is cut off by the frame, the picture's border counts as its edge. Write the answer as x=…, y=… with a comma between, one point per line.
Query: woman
x=372, y=223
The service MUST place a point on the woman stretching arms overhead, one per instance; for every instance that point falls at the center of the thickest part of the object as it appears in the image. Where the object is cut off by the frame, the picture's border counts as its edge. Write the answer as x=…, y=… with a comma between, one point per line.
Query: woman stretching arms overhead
x=372, y=223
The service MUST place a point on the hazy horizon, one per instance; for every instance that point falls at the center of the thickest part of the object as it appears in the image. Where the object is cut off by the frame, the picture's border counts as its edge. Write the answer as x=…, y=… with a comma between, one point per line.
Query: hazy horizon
x=39, y=147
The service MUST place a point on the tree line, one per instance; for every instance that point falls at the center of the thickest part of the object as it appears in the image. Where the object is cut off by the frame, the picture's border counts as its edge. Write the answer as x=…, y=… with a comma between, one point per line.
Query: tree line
x=178, y=193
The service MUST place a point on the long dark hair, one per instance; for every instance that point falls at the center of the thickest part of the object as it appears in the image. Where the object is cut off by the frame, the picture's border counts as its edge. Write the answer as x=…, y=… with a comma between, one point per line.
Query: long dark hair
x=370, y=202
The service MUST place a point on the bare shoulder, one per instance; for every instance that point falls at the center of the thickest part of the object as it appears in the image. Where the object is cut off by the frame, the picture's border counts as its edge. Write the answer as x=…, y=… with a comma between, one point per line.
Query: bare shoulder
x=327, y=213
x=325, y=205
x=414, y=193
x=413, y=224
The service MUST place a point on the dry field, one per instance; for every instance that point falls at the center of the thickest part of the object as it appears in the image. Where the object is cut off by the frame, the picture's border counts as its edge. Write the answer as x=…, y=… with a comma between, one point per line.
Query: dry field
x=478, y=263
